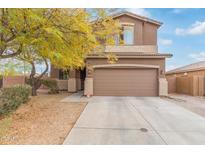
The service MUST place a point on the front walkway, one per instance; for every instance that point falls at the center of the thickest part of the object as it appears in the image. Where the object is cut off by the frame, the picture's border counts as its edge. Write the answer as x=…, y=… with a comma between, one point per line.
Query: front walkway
x=136, y=120
x=76, y=97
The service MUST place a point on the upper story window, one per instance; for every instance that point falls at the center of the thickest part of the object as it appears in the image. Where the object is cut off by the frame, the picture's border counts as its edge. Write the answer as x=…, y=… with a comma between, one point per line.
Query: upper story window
x=127, y=35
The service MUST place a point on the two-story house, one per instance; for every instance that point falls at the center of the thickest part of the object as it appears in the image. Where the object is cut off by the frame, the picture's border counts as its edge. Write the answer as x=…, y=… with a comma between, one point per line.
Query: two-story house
x=139, y=71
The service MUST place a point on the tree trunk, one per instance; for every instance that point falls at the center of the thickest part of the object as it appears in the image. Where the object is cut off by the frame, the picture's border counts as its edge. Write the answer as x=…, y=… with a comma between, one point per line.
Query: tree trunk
x=32, y=80
x=36, y=81
x=35, y=84
x=34, y=91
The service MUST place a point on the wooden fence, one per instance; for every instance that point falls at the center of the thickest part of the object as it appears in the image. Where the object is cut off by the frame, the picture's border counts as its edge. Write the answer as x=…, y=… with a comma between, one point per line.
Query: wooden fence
x=190, y=85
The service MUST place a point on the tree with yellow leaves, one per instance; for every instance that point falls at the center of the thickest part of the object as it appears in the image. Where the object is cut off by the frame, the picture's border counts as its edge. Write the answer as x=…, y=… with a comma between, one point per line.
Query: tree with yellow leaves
x=64, y=37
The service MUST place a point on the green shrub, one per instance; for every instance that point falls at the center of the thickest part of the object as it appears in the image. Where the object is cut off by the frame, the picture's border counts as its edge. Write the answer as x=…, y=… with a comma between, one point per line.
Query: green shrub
x=12, y=97
x=52, y=85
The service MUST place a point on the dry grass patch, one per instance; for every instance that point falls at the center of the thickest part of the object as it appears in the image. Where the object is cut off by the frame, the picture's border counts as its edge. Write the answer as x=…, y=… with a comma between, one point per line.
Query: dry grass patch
x=43, y=120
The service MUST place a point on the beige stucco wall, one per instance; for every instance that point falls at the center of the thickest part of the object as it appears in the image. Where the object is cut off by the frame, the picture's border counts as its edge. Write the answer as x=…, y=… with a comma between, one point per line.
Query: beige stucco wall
x=145, y=39
x=159, y=62
x=62, y=84
x=130, y=49
x=149, y=34
x=163, y=87
x=74, y=81
x=145, y=33
x=141, y=61
x=72, y=86
x=88, y=90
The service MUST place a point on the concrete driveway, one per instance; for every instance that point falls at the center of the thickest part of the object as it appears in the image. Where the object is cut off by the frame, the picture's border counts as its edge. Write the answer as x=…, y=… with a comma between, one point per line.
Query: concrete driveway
x=136, y=120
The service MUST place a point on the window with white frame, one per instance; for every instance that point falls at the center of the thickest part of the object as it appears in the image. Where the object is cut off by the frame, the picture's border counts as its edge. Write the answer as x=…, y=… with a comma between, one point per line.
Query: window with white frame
x=128, y=35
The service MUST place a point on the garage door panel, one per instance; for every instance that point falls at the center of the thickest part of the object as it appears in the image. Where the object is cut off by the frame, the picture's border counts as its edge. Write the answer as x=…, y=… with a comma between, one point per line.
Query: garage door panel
x=125, y=82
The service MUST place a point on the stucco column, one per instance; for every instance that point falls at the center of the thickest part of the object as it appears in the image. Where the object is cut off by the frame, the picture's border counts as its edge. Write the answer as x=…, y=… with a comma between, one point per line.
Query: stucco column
x=88, y=90
x=163, y=87
x=88, y=83
x=72, y=82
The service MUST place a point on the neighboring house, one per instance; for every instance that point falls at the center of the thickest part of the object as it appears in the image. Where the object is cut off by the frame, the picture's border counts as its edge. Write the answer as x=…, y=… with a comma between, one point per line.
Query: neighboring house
x=139, y=71
x=189, y=79
x=189, y=70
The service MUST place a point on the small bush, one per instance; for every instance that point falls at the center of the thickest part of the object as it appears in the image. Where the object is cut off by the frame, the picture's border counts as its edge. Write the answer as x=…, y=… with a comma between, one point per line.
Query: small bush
x=52, y=85
x=12, y=97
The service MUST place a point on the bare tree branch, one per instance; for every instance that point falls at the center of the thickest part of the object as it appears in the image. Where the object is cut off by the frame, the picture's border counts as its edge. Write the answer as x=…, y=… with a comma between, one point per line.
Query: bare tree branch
x=46, y=69
x=33, y=70
x=12, y=54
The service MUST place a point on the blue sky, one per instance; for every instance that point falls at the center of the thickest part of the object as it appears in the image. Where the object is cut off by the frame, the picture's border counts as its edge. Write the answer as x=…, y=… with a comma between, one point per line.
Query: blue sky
x=182, y=34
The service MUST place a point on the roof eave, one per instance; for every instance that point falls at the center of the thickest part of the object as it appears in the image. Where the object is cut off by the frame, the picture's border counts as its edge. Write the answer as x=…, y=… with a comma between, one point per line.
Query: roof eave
x=138, y=17
x=132, y=56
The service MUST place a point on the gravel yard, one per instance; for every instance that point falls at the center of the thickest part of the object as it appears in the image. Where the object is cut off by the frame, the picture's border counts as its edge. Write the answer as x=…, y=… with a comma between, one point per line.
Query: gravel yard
x=43, y=120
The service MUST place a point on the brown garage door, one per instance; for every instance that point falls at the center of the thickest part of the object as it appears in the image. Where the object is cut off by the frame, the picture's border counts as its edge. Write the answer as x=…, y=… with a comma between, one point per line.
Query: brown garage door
x=125, y=82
